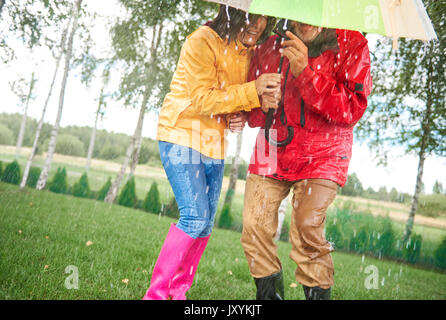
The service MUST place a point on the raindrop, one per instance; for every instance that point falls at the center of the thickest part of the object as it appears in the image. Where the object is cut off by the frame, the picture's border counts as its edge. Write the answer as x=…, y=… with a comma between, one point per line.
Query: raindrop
x=382, y=282
x=309, y=191
x=363, y=257
x=318, y=66
x=247, y=18
x=257, y=72
x=226, y=51
x=197, y=173
x=266, y=67
x=296, y=204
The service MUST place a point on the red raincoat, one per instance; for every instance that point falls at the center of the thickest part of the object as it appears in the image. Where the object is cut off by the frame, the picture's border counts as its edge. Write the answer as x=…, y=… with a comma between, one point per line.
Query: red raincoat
x=322, y=104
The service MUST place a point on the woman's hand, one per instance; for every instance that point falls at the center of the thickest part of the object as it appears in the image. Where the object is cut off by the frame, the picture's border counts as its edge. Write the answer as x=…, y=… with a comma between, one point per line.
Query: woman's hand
x=236, y=122
x=268, y=83
x=269, y=101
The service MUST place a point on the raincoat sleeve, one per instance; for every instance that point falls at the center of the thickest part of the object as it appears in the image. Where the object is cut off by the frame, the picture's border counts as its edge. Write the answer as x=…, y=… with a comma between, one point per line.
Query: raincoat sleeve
x=341, y=98
x=201, y=73
x=256, y=117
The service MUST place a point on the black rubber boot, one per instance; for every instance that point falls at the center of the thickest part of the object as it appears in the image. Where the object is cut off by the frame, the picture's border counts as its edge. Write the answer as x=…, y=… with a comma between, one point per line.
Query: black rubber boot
x=271, y=287
x=317, y=293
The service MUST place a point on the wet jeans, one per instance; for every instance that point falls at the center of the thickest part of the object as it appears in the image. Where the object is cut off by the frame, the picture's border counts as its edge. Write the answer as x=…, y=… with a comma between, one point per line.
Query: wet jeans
x=196, y=182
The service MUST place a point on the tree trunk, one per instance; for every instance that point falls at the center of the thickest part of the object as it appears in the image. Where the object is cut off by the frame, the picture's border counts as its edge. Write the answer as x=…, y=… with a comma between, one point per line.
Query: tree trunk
x=234, y=172
x=93, y=133
x=40, y=125
x=112, y=193
x=138, y=133
x=52, y=144
x=426, y=129
x=23, y=124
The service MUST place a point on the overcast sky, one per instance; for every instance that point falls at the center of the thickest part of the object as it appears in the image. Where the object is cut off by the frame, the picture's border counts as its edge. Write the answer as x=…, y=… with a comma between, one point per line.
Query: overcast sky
x=80, y=105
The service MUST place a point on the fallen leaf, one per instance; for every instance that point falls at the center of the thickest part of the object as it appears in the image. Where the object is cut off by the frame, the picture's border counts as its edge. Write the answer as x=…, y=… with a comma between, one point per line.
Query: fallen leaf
x=46, y=267
x=46, y=237
x=126, y=281
x=230, y=273
x=236, y=259
x=20, y=231
x=89, y=243
x=293, y=285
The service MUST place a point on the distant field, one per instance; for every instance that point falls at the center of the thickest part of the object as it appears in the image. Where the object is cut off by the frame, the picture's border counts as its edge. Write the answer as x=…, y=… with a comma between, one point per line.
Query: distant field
x=114, y=249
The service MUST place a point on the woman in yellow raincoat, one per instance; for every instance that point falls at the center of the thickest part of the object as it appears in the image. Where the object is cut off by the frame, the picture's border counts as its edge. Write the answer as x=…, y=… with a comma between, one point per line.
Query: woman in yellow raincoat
x=209, y=83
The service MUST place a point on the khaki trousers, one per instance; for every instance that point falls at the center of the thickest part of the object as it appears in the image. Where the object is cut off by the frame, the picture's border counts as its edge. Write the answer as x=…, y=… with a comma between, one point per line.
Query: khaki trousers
x=310, y=250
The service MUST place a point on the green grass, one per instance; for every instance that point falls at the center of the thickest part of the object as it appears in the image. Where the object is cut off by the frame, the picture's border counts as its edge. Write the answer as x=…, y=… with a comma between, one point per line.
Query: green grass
x=39, y=229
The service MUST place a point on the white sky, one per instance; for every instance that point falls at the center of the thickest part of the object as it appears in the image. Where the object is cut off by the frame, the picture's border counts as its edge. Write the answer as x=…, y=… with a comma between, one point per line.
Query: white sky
x=80, y=105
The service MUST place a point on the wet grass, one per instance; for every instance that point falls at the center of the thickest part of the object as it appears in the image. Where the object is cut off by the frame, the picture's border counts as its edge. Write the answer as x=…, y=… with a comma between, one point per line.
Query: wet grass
x=114, y=249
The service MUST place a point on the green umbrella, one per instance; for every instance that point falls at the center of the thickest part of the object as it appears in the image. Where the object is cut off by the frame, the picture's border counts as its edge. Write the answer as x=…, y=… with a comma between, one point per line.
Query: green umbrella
x=392, y=18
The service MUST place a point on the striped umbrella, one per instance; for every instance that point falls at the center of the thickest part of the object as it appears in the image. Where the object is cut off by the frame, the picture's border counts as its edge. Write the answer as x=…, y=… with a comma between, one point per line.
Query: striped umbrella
x=391, y=18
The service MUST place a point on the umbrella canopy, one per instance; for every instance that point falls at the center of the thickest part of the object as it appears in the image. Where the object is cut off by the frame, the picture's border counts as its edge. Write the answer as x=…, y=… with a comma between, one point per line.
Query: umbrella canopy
x=392, y=18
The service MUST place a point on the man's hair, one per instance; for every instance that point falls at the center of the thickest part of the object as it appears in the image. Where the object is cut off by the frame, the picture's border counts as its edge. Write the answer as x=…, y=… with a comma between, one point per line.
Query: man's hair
x=229, y=28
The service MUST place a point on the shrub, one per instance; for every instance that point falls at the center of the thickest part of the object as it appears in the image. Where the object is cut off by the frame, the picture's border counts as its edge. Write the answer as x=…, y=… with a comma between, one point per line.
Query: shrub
x=102, y=193
x=386, y=240
x=411, y=251
x=1, y=169
x=171, y=209
x=81, y=188
x=127, y=197
x=69, y=145
x=6, y=135
x=152, y=201
x=226, y=219
x=334, y=235
x=12, y=174
x=59, y=182
x=432, y=205
x=440, y=255
x=33, y=177
x=360, y=241
x=110, y=152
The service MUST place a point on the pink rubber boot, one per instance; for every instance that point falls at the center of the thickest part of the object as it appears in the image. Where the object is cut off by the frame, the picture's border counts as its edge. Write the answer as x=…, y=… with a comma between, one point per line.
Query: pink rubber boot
x=183, y=278
x=174, y=251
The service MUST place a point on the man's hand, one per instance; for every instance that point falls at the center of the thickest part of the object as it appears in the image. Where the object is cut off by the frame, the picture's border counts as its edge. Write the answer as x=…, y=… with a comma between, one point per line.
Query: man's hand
x=271, y=100
x=268, y=83
x=296, y=52
x=236, y=121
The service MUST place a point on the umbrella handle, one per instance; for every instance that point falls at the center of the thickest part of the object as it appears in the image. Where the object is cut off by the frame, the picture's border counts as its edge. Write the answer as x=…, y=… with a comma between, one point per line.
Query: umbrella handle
x=271, y=141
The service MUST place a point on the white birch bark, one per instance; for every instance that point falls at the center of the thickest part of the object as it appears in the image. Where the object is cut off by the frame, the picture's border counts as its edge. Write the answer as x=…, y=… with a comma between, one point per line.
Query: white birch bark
x=52, y=144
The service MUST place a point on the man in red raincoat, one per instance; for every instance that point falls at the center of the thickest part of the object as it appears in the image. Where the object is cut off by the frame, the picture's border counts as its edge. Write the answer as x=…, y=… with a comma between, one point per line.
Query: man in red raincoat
x=327, y=76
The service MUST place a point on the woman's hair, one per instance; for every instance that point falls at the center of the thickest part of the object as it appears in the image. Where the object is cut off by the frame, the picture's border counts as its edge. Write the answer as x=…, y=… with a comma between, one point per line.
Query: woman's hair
x=230, y=21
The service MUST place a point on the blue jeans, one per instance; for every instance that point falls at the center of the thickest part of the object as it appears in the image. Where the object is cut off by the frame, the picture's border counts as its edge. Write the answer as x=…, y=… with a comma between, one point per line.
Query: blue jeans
x=196, y=182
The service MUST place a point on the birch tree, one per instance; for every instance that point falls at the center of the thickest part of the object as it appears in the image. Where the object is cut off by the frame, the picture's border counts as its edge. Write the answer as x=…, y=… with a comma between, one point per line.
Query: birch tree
x=68, y=55
x=408, y=106
x=24, y=116
x=234, y=172
x=60, y=49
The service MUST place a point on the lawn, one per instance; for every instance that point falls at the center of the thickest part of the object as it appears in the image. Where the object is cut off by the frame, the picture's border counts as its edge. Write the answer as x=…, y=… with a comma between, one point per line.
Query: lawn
x=114, y=249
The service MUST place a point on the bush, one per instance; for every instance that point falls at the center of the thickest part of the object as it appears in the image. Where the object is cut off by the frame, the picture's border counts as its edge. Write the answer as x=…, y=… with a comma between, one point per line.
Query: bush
x=81, y=188
x=110, y=152
x=411, y=251
x=360, y=241
x=171, y=209
x=59, y=182
x=6, y=135
x=33, y=177
x=440, y=255
x=334, y=235
x=12, y=174
x=152, y=201
x=68, y=144
x=386, y=241
x=432, y=205
x=127, y=197
x=226, y=219
x=102, y=193
x=1, y=169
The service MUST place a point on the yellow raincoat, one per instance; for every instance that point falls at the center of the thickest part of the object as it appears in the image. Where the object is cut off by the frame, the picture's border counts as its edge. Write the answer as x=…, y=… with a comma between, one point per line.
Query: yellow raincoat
x=209, y=82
